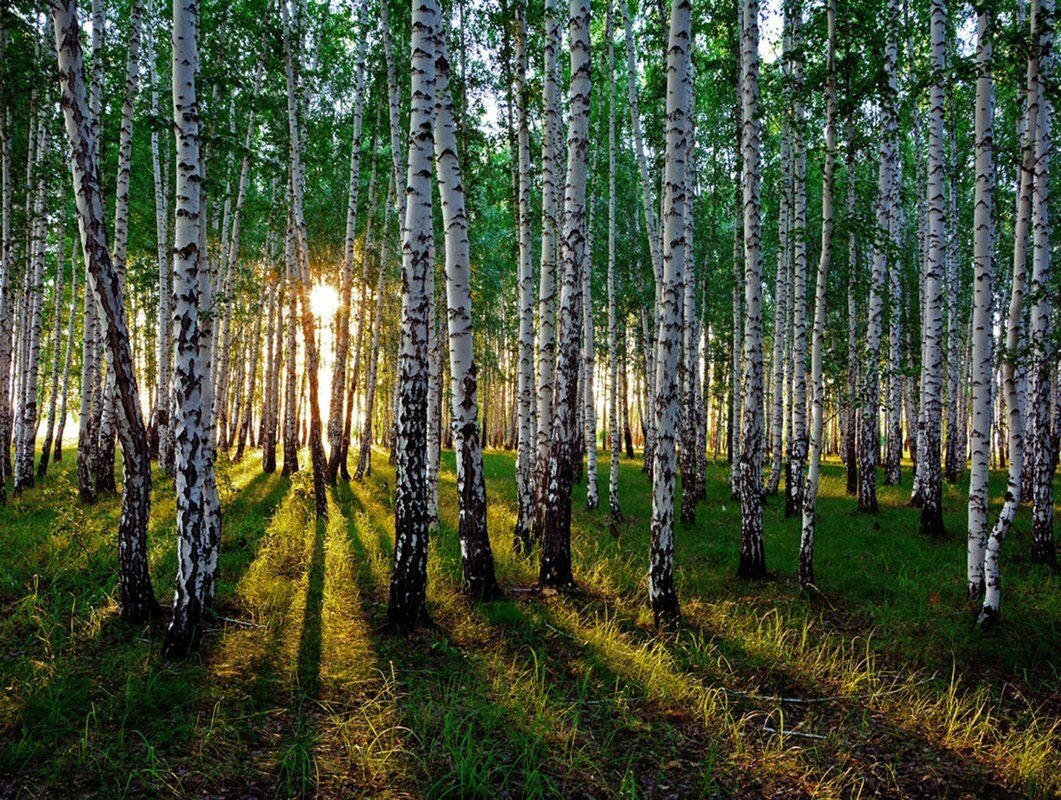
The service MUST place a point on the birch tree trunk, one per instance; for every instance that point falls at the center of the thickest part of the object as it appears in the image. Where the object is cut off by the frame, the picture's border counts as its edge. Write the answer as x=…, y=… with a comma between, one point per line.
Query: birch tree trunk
x=932, y=375
x=290, y=350
x=164, y=356
x=752, y=556
x=308, y=325
x=6, y=292
x=797, y=443
x=346, y=277
x=57, y=346
x=651, y=228
x=587, y=395
x=1012, y=365
x=613, y=354
x=522, y=535
x=851, y=428
x=551, y=227
x=104, y=461
x=555, y=567
x=198, y=526
x=869, y=434
x=364, y=460
x=476, y=555
x=1043, y=353
x=137, y=598
x=983, y=326
x=33, y=284
x=408, y=583
x=68, y=357
x=662, y=593
x=810, y=496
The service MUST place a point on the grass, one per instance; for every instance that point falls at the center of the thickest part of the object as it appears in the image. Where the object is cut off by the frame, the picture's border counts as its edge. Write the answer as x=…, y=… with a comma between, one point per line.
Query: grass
x=881, y=687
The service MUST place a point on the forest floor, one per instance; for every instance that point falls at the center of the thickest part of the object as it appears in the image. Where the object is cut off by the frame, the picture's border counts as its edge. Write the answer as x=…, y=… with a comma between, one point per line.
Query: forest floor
x=879, y=687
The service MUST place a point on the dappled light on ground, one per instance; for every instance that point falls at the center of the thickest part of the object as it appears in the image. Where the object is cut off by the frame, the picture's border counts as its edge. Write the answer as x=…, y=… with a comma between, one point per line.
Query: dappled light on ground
x=879, y=687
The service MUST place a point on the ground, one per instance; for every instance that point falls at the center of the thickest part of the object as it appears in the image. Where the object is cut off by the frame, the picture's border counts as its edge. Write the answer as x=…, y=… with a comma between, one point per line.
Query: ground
x=879, y=686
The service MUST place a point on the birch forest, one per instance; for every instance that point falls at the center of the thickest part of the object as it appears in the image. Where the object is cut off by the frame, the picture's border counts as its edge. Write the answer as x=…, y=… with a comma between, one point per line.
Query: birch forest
x=529, y=399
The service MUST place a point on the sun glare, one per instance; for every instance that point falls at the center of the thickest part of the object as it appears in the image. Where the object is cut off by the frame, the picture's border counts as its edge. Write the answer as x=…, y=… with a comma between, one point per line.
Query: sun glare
x=323, y=301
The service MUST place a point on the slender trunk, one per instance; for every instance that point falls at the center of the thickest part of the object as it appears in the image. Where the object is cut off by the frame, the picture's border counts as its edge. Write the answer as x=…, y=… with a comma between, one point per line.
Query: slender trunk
x=983, y=327
x=476, y=555
x=797, y=442
x=551, y=227
x=555, y=568
x=521, y=538
x=931, y=367
x=137, y=598
x=662, y=592
x=810, y=496
x=613, y=354
x=67, y=358
x=57, y=352
x=346, y=277
x=1043, y=353
x=752, y=556
x=852, y=424
x=651, y=228
x=308, y=325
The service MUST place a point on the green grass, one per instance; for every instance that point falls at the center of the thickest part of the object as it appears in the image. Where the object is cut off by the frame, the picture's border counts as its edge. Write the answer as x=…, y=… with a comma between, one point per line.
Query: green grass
x=299, y=691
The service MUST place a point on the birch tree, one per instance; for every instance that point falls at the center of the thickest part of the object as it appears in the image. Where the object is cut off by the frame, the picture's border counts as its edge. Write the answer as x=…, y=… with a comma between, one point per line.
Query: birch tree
x=752, y=555
x=1043, y=352
x=198, y=528
x=613, y=355
x=551, y=229
x=932, y=376
x=555, y=566
x=346, y=277
x=869, y=435
x=983, y=325
x=521, y=541
x=661, y=590
x=476, y=555
x=409, y=577
x=810, y=496
x=137, y=597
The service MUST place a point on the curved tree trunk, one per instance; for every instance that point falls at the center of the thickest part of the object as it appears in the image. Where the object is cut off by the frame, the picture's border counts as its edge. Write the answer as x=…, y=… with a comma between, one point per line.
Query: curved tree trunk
x=137, y=598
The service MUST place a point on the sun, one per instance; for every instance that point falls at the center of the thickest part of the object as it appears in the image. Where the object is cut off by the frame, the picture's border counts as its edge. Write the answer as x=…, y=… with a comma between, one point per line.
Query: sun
x=323, y=301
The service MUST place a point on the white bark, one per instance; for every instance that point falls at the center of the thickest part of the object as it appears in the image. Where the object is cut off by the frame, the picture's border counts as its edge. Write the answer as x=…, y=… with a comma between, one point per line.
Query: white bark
x=932, y=366
x=661, y=590
x=411, y=521
x=198, y=530
x=810, y=496
x=983, y=328
x=521, y=540
x=752, y=558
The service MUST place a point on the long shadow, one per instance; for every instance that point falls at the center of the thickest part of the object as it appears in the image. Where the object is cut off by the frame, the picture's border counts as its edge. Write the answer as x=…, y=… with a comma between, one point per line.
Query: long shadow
x=297, y=772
